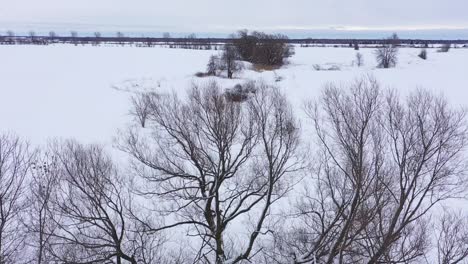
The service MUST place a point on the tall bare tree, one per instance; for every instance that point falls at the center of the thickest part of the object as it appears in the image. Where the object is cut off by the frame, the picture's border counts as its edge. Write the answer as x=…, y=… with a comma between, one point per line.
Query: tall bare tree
x=41, y=194
x=229, y=61
x=91, y=217
x=213, y=161
x=384, y=164
x=14, y=166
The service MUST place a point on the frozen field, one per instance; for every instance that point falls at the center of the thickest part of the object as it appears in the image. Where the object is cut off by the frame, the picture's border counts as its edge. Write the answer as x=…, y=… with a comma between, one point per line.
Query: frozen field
x=67, y=91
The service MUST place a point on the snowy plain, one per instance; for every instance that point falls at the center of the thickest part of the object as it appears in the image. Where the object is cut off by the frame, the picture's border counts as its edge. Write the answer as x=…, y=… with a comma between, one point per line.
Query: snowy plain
x=77, y=92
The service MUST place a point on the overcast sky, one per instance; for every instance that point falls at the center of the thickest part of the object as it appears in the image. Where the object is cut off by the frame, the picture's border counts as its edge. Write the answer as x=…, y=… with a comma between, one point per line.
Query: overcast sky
x=224, y=15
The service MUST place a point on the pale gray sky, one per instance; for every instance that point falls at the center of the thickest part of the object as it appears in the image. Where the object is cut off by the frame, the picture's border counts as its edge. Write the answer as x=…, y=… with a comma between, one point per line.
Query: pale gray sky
x=234, y=14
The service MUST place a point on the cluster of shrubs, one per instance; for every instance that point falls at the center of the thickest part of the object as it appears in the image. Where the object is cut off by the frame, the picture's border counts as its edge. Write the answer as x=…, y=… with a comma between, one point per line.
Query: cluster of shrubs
x=261, y=48
x=240, y=93
x=258, y=48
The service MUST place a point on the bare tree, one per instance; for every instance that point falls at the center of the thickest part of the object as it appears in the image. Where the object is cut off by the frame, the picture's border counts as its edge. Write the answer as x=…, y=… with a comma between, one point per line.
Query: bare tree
x=387, y=56
x=10, y=33
x=394, y=40
x=74, y=37
x=14, y=165
x=97, y=38
x=32, y=35
x=120, y=38
x=359, y=59
x=142, y=106
x=356, y=45
x=452, y=238
x=212, y=66
x=229, y=61
x=423, y=54
x=41, y=193
x=213, y=161
x=384, y=164
x=91, y=215
x=52, y=34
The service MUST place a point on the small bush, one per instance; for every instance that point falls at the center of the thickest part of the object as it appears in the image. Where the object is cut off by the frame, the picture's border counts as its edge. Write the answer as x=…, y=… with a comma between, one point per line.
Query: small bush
x=423, y=54
x=201, y=74
x=240, y=93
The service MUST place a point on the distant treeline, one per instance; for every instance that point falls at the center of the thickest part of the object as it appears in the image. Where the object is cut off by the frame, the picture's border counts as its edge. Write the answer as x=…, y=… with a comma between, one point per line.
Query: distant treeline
x=200, y=42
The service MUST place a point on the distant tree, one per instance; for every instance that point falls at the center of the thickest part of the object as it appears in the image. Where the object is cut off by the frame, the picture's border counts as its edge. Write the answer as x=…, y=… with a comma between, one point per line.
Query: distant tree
x=229, y=61
x=359, y=59
x=213, y=65
x=120, y=38
x=74, y=37
x=32, y=35
x=394, y=40
x=10, y=33
x=52, y=34
x=97, y=38
x=387, y=54
x=192, y=36
x=445, y=47
x=166, y=35
x=356, y=45
x=423, y=54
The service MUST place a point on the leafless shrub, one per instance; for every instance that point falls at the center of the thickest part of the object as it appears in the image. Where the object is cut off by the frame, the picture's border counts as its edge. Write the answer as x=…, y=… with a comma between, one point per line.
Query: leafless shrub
x=213, y=161
x=14, y=166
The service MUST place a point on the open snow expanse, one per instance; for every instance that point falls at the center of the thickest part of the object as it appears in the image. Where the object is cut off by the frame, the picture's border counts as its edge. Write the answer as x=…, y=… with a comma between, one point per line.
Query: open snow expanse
x=83, y=92
x=67, y=91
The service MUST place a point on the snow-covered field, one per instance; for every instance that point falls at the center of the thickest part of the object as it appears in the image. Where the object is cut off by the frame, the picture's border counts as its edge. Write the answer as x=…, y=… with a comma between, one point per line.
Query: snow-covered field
x=84, y=92
x=69, y=92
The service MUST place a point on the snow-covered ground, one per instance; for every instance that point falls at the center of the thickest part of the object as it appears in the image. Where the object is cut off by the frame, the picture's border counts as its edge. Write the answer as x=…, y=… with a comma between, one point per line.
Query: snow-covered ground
x=70, y=92
x=82, y=92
